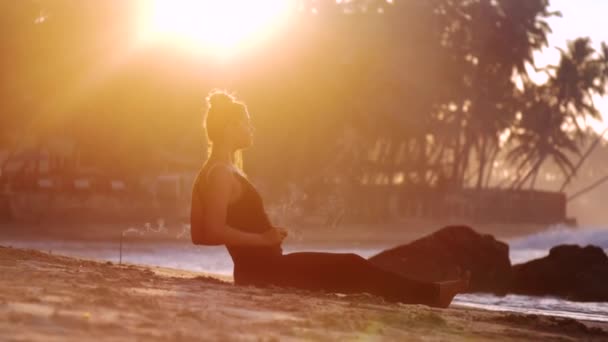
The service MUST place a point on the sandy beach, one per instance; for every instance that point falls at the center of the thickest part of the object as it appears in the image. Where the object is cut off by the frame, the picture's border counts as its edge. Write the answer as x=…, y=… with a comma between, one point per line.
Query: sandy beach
x=47, y=297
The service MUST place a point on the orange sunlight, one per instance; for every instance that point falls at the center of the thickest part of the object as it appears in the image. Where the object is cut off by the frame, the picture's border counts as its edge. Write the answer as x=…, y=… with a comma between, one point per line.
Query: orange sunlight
x=221, y=28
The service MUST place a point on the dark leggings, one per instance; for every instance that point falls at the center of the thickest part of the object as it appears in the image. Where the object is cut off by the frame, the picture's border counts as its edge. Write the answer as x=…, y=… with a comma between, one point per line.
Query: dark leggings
x=334, y=272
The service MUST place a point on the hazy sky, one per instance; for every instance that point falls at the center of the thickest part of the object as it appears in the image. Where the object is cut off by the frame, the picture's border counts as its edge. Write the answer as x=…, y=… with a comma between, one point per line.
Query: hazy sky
x=580, y=18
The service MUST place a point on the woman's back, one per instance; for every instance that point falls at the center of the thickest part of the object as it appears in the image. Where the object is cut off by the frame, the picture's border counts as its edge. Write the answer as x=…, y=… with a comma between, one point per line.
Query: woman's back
x=246, y=213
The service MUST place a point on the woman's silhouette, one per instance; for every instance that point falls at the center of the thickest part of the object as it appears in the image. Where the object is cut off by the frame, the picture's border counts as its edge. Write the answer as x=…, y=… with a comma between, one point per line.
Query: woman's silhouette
x=227, y=210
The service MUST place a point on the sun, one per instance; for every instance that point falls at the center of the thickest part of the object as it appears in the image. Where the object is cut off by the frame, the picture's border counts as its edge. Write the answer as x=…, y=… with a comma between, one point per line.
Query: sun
x=220, y=27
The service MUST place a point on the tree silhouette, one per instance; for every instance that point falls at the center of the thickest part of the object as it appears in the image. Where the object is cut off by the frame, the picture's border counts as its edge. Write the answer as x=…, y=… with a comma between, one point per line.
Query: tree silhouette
x=552, y=113
x=430, y=88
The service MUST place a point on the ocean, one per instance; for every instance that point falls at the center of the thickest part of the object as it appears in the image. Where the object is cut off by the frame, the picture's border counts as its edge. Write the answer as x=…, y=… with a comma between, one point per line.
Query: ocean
x=182, y=255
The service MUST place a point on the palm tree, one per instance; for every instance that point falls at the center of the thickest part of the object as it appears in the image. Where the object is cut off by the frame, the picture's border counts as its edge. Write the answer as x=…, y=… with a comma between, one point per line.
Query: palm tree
x=579, y=75
x=538, y=136
x=490, y=40
x=553, y=113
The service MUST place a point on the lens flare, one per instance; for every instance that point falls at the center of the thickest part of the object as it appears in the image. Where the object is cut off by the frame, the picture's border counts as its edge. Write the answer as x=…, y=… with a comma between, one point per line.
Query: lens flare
x=218, y=27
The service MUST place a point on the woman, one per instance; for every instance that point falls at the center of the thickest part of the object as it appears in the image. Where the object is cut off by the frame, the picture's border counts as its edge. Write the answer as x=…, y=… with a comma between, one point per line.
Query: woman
x=227, y=210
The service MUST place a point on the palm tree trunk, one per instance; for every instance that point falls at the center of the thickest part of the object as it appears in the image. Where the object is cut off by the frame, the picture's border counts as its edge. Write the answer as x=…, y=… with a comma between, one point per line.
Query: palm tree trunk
x=582, y=160
x=437, y=158
x=516, y=181
x=464, y=163
x=422, y=159
x=491, y=166
x=529, y=174
x=482, y=163
x=587, y=189
x=525, y=179
x=457, y=157
x=533, y=182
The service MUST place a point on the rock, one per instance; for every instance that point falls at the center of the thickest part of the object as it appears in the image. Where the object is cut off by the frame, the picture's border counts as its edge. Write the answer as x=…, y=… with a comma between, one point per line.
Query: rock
x=569, y=271
x=439, y=255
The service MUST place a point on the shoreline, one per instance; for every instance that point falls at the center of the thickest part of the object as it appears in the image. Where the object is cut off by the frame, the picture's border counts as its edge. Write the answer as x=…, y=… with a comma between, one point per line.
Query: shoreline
x=46, y=296
x=395, y=233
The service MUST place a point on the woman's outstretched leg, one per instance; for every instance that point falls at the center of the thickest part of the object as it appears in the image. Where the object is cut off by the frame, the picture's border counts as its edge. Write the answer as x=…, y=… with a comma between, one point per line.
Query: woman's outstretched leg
x=351, y=273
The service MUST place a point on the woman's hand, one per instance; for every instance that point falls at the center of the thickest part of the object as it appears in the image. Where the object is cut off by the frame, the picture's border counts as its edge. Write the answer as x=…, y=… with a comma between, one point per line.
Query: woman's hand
x=274, y=236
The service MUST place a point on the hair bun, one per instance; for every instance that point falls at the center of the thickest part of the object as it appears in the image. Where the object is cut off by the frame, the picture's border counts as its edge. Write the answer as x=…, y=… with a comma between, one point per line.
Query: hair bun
x=219, y=99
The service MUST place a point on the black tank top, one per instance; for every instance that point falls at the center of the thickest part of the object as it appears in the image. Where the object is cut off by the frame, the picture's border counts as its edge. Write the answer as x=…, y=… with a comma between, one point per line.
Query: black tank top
x=246, y=214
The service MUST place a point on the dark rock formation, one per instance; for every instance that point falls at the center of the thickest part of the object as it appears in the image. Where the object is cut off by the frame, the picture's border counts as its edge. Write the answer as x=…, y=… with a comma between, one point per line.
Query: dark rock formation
x=569, y=271
x=439, y=256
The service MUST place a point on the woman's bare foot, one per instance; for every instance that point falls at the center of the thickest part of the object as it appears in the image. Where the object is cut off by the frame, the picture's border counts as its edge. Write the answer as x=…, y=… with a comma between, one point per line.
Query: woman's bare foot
x=449, y=289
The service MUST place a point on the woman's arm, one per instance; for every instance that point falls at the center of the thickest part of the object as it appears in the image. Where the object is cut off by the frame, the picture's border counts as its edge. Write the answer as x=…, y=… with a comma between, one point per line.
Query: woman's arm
x=215, y=231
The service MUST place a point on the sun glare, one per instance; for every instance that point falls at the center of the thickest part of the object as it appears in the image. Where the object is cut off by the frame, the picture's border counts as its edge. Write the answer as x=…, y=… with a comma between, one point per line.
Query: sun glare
x=221, y=27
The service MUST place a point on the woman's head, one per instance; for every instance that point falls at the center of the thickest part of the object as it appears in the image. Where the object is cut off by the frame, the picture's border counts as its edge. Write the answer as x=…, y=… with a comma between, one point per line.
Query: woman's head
x=227, y=121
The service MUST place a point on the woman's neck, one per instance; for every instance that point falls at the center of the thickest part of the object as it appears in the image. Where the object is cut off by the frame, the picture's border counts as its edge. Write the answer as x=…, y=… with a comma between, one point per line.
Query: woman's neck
x=222, y=154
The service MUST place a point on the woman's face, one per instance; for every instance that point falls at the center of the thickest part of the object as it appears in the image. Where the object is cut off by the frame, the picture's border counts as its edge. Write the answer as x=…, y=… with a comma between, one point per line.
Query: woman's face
x=243, y=131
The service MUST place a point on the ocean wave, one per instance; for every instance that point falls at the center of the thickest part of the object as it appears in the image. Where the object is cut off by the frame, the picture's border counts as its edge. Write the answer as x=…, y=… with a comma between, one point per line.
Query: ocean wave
x=591, y=311
x=559, y=235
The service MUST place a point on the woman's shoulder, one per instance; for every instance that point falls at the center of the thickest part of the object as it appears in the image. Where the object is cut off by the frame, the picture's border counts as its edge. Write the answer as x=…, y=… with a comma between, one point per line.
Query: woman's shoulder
x=219, y=169
x=220, y=173
x=216, y=173
x=209, y=168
